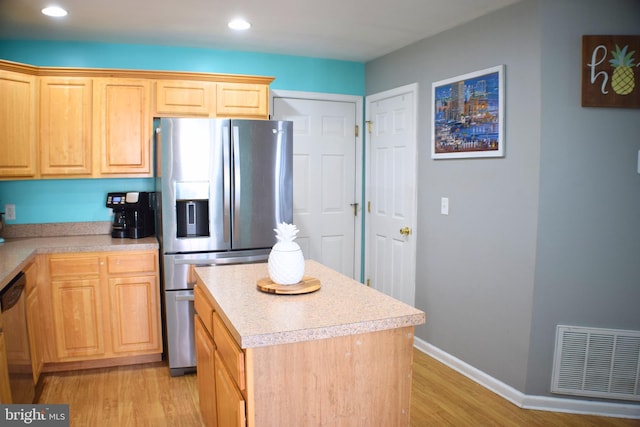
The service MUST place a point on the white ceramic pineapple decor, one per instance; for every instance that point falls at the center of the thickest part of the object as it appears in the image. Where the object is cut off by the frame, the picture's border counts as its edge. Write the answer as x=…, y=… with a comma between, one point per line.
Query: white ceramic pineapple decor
x=286, y=262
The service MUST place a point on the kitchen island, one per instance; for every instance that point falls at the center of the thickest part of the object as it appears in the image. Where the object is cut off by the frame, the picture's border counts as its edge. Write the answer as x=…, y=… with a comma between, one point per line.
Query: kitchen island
x=340, y=356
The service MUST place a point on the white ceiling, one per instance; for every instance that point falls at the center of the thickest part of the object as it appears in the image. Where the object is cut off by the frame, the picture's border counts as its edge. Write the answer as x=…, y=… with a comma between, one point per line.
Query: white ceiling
x=355, y=30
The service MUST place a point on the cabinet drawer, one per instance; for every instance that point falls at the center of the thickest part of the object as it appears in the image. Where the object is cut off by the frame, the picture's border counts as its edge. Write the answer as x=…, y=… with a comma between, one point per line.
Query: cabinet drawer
x=204, y=308
x=231, y=354
x=131, y=263
x=74, y=266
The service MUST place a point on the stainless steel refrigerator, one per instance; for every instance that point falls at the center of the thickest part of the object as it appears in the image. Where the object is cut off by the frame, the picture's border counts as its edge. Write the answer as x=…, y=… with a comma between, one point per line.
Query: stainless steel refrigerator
x=223, y=186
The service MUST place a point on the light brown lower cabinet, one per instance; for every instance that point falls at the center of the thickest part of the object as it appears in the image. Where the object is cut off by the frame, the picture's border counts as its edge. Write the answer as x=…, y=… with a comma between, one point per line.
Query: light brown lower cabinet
x=220, y=369
x=205, y=354
x=34, y=325
x=101, y=306
x=230, y=402
x=134, y=313
x=26, y=348
x=5, y=389
x=77, y=318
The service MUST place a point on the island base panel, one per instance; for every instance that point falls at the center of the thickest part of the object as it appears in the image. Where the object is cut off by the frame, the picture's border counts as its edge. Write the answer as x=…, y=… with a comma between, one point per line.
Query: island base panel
x=354, y=380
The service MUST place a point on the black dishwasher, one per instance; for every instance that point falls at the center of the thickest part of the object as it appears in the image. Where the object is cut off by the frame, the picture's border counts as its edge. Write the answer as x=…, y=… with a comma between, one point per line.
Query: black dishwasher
x=14, y=319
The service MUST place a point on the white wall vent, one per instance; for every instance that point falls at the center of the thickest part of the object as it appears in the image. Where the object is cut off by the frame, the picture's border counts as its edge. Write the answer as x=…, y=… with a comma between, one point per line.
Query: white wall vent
x=595, y=362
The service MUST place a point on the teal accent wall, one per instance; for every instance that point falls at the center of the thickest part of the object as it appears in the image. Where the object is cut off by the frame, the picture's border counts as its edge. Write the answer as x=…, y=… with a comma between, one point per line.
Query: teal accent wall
x=68, y=200
x=290, y=72
x=78, y=200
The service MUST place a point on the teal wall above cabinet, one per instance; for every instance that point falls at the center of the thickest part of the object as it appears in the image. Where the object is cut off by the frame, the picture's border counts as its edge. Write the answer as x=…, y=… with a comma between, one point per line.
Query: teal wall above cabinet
x=290, y=72
x=78, y=200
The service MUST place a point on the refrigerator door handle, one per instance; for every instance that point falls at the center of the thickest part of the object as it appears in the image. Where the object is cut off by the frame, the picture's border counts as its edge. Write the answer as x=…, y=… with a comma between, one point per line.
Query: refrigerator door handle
x=226, y=180
x=185, y=298
x=246, y=259
x=237, y=187
x=195, y=263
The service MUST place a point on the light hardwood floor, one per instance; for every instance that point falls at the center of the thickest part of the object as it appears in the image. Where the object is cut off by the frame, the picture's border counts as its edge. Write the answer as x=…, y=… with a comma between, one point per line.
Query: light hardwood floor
x=146, y=395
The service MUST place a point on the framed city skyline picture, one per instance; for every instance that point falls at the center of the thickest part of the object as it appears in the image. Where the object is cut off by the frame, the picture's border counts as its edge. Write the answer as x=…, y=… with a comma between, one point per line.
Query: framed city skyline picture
x=468, y=115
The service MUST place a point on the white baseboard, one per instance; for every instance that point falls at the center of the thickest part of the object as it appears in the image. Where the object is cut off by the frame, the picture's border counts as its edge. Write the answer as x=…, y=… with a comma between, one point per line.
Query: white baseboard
x=541, y=403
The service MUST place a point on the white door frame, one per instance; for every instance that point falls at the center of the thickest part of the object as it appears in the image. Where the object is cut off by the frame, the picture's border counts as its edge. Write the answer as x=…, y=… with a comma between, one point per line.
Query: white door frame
x=412, y=88
x=358, y=101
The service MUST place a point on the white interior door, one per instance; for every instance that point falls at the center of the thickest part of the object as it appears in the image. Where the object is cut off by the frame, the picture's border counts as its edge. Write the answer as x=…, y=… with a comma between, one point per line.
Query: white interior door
x=391, y=192
x=324, y=179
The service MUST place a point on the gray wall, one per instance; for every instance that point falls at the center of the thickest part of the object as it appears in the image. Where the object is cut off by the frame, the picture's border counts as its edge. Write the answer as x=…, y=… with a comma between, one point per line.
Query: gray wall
x=549, y=233
x=588, y=255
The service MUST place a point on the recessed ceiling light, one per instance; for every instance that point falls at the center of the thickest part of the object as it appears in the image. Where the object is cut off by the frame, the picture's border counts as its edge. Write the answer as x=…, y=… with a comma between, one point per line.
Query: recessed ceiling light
x=54, y=11
x=239, y=24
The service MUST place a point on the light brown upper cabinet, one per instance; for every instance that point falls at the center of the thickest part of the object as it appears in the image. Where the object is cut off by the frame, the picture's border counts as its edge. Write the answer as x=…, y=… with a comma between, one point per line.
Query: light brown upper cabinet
x=122, y=126
x=242, y=100
x=98, y=123
x=94, y=127
x=184, y=97
x=211, y=99
x=18, y=108
x=66, y=126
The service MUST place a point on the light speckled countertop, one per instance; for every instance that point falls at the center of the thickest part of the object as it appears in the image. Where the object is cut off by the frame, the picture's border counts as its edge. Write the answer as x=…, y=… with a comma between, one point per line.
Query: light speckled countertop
x=16, y=253
x=340, y=307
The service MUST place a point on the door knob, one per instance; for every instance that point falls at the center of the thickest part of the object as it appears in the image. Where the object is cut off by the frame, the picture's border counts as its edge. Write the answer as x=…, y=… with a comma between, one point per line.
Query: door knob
x=405, y=231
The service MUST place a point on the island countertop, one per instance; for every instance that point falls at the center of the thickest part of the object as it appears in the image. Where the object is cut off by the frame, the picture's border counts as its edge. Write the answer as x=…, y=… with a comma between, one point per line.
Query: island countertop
x=342, y=306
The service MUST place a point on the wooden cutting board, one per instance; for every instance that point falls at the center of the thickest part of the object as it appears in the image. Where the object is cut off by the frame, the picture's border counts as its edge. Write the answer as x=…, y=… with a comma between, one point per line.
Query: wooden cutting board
x=306, y=285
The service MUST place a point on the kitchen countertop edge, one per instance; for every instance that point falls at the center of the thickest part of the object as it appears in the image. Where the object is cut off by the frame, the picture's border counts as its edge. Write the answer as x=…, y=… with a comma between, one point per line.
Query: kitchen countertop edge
x=17, y=253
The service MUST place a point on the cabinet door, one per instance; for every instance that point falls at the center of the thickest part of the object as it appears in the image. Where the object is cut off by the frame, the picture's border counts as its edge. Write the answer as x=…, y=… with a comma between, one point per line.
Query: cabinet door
x=205, y=361
x=65, y=126
x=77, y=315
x=184, y=97
x=230, y=403
x=17, y=125
x=34, y=322
x=35, y=334
x=242, y=100
x=5, y=390
x=134, y=312
x=123, y=126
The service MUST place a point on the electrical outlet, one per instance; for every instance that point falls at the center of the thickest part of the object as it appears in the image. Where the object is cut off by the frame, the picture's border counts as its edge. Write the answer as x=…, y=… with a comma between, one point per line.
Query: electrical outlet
x=10, y=212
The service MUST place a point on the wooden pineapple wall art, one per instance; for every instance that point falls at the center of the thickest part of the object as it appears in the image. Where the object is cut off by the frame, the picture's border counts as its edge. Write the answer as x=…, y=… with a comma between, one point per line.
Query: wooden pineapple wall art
x=611, y=71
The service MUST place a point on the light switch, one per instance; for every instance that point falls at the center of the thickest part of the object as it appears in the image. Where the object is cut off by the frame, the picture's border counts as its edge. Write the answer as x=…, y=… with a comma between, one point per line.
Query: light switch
x=444, y=206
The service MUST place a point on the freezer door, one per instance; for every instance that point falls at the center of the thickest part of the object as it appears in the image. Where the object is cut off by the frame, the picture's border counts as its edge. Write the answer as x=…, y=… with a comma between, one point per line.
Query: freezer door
x=262, y=181
x=179, y=314
x=178, y=283
x=195, y=185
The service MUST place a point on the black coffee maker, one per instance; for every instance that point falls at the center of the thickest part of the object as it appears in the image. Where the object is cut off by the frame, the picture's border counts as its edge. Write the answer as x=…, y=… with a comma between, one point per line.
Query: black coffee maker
x=133, y=214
